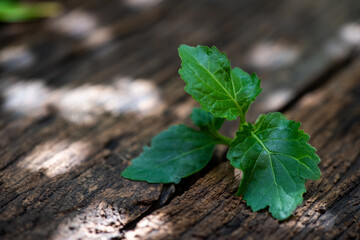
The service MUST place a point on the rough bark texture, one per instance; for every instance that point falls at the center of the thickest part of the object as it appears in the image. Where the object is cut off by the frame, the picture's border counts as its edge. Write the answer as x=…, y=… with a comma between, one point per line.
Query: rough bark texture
x=82, y=93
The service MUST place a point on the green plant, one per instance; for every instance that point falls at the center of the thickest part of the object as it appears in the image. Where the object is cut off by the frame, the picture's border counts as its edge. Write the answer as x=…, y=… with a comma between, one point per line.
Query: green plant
x=273, y=154
x=13, y=11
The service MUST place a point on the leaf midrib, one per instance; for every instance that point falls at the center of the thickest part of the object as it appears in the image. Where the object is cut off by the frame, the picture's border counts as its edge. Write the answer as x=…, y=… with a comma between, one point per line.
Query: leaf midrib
x=271, y=164
x=226, y=91
x=184, y=154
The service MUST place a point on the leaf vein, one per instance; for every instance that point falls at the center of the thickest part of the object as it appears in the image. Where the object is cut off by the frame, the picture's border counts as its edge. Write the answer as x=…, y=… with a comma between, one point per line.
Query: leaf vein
x=225, y=90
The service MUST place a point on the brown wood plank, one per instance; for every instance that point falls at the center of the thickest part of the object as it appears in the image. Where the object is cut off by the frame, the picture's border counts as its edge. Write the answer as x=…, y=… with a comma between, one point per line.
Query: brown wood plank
x=57, y=168
x=232, y=27
x=210, y=209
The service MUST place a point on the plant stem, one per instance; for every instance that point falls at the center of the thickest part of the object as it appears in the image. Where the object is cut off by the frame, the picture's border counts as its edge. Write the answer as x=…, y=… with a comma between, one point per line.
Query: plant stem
x=242, y=122
x=242, y=119
x=223, y=139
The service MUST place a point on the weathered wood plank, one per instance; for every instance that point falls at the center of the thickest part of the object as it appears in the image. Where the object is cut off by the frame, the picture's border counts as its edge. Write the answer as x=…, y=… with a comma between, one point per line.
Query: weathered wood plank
x=65, y=173
x=232, y=27
x=331, y=208
x=61, y=154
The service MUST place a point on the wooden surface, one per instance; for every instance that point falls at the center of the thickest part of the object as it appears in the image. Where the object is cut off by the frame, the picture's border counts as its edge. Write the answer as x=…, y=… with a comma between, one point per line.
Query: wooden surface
x=82, y=93
x=210, y=209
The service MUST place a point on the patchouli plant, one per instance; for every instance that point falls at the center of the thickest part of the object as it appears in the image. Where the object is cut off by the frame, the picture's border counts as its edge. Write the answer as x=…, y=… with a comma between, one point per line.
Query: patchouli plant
x=273, y=154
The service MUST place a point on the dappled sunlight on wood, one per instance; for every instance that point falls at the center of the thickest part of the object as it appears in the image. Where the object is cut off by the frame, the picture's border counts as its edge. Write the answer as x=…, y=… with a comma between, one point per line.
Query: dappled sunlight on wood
x=87, y=224
x=54, y=158
x=141, y=3
x=149, y=228
x=276, y=99
x=184, y=110
x=27, y=98
x=98, y=37
x=84, y=104
x=81, y=25
x=75, y=23
x=16, y=57
x=83, y=93
x=345, y=42
x=350, y=33
x=311, y=99
x=273, y=55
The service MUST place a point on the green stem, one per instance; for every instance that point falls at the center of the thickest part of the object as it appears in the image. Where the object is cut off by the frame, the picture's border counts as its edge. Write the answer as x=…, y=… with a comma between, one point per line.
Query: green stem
x=223, y=139
x=242, y=121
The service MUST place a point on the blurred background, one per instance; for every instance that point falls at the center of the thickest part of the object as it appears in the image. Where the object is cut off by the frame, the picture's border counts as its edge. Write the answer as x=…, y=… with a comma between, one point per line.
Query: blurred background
x=83, y=59
x=85, y=84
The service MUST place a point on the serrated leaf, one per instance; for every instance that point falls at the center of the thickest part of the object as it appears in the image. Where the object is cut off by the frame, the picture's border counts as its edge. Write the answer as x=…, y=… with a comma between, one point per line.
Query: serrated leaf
x=276, y=159
x=174, y=154
x=224, y=92
x=205, y=119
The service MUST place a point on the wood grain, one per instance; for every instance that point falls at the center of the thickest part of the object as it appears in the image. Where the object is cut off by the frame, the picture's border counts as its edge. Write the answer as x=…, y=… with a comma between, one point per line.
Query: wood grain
x=65, y=135
x=210, y=209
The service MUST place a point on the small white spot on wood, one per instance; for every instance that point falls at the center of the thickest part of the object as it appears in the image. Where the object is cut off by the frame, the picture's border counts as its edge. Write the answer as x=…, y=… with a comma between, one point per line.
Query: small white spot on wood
x=350, y=33
x=141, y=3
x=273, y=55
x=75, y=23
x=277, y=99
x=16, y=57
x=26, y=98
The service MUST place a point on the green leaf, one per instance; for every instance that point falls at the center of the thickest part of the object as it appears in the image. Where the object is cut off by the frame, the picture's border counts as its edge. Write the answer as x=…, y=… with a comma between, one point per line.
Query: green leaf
x=276, y=159
x=174, y=154
x=224, y=92
x=206, y=120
